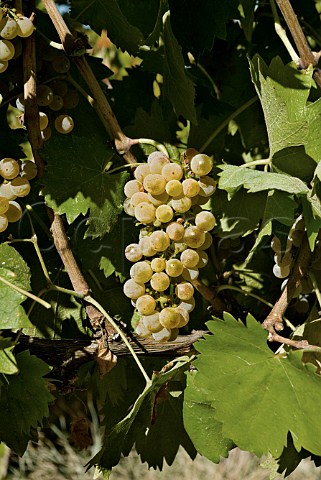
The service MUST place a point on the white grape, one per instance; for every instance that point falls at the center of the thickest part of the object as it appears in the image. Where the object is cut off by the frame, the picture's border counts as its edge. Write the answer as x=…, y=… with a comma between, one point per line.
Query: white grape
x=280, y=271
x=163, y=335
x=158, y=200
x=146, y=248
x=20, y=186
x=138, y=197
x=194, y=237
x=189, y=258
x=141, y=172
x=128, y=208
x=175, y=231
x=160, y=282
x=286, y=259
x=159, y=241
x=145, y=305
x=276, y=244
x=156, y=162
x=133, y=252
x=25, y=27
x=205, y=221
x=190, y=274
x=141, y=272
x=133, y=289
x=172, y=171
x=181, y=204
x=142, y=330
x=131, y=187
x=43, y=121
x=10, y=29
x=164, y=213
x=158, y=264
x=145, y=212
x=174, y=267
x=203, y=259
x=151, y=322
x=61, y=64
x=184, y=290
x=207, y=186
x=46, y=134
x=29, y=170
x=3, y=223
x=174, y=188
x=64, y=124
x=184, y=317
x=71, y=99
x=57, y=103
x=188, y=305
x=5, y=191
x=3, y=65
x=207, y=242
x=14, y=212
x=9, y=168
x=169, y=317
x=44, y=95
x=7, y=50
x=201, y=164
x=4, y=205
x=191, y=187
x=154, y=183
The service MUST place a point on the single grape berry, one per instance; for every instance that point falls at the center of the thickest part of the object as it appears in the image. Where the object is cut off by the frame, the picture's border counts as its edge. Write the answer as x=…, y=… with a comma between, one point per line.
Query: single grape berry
x=133, y=289
x=201, y=164
x=64, y=124
x=133, y=252
x=9, y=168
x=156, y=162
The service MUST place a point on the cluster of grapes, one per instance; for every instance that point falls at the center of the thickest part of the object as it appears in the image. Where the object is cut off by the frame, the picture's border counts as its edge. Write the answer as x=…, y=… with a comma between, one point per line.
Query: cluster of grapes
x=11, y=27
x=15, y=184
x=165, y=199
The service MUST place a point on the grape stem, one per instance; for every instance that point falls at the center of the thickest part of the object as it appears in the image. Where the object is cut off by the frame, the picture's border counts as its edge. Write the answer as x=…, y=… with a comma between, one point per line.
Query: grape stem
x=282, y=33
x=24, y=292
x=265, y=161
x=149, y=141
x=91, y=300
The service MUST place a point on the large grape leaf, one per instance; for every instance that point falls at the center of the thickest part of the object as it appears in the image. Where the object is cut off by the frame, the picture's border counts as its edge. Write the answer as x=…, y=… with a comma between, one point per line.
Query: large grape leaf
x=292, y=124
x=23, y=402
x=107, y=14
x=178, y=88
x=233, y=177
x=139, y=423
x=8, y=363
x=13, y=269
x=258, y=396
x=75, y=182
x=201, y=425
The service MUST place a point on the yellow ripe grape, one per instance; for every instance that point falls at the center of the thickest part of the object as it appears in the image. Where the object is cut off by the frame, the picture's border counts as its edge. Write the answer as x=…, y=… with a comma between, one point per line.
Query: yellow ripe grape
x=189, y=258
x=158, y=264
x=201, y=164
x=43, y=121
x=181, y=204
x=14, y=212
x=160, y=282
x=190, y=274
x=5, y=191
x=146, y=248
x=133, y=252
x=205, y=221
x=187, y=305
x=174, y=267
x=154, y=183
x=128, y=208
x=145, y=304
x=7, y=50
x=194, y=237
x=141, y=329
x=169, y=317
x=174, y=188
x=133, y=289
x=207, y=186
x=3, y=223
x=9, y=29
x=141, y=272
x=4, y=205
x=164, y=213
x=159, y=241
x=25, y=27
x=64, y=124
x=207, y=242
x=29, y=170
x=132, y=187
x=152, y=323
x=175, y=231
x=156, y=162
x=145, y=212
x=163, y=335
x=20, y=186
x=184, y=317
x=172, y=171
x=191, y=187
x=9, y=168
x=141, y=172
x=138, y=197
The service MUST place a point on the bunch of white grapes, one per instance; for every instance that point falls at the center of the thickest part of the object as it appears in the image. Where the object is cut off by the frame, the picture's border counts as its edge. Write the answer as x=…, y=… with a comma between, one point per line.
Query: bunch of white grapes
x=11, y=27
x=165, y=199
x=15, y=184
x=55, y=97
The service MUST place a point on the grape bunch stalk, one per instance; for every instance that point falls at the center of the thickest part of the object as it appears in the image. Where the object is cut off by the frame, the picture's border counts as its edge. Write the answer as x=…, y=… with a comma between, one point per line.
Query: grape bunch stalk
x=15, y=184
x=166, y=198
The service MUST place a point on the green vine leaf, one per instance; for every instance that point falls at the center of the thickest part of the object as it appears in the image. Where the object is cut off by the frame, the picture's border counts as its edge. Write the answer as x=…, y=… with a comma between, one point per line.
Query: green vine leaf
x=23, y=402
x=8, y=363
x=86, y=186
x=14, y=269
x=178, y=88
x=258, y=396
